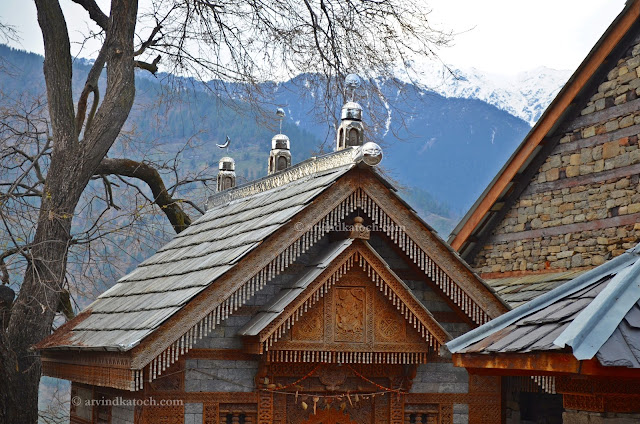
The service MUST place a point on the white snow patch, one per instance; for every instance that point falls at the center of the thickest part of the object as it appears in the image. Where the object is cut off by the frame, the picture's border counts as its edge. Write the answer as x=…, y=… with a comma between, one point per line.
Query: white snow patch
x=525, y=95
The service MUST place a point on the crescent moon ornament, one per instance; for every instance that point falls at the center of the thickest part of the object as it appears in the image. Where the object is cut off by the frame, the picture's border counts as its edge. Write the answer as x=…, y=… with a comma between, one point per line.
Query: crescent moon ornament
x=226, y=143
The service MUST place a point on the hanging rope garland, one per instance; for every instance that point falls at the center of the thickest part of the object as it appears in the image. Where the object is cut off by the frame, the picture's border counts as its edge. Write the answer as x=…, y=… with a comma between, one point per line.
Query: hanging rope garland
x=328, y=399
x=352, y=398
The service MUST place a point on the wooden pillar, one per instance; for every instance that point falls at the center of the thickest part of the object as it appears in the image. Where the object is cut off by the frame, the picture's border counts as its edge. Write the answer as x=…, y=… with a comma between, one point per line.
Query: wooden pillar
x=265, y=407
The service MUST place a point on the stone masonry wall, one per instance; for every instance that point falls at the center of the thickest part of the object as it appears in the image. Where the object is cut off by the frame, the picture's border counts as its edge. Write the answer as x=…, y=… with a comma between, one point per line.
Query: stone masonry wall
x=585, y=417
x=122, y=414
x=583, y=205
x=216, y=375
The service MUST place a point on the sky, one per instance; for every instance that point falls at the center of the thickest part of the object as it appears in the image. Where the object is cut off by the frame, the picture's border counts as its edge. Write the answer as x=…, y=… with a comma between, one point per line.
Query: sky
x=496, y=36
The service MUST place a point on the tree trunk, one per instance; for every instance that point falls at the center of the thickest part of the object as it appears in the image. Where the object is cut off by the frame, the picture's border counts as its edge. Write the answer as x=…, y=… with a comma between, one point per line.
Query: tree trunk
x=73, y=162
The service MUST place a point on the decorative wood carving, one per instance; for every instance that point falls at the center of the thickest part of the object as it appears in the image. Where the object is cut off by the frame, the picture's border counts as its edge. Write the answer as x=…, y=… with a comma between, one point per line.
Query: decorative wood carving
x=363, y=319
x=390, y=326
x=265, y=407
x=279, y=409
x=163, y=414
x=211, y=413
x=350, y=314
x=446, y=413
x=332, y=376
x=484, y=383
x=396, y=409
x=310, y=326
x=583, y=402
x=622, y=403
x=329, y=416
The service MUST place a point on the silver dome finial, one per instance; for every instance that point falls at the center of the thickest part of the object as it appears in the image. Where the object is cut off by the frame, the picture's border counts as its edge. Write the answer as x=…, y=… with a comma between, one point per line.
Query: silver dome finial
x=353, y=82
x=280, y=114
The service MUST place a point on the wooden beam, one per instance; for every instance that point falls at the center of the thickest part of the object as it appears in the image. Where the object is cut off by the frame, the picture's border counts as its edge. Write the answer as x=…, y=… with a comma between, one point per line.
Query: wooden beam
x=598, y=224
x=537, y=363
x=555, y=111
x=604, y=115
x=515, y=363
x=596, y=140
x=596, y=177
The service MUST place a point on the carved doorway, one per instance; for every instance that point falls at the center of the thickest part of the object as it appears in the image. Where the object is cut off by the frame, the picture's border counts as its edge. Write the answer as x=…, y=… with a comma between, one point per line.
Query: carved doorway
x=329, y=416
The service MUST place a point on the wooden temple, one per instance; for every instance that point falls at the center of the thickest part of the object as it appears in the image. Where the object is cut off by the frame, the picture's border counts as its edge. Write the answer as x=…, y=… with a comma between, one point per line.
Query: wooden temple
x=313, y=295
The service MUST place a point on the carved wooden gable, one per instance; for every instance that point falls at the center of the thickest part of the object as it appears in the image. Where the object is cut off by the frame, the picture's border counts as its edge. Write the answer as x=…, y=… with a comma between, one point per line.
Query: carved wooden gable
x=356, y=311
x=353, y=316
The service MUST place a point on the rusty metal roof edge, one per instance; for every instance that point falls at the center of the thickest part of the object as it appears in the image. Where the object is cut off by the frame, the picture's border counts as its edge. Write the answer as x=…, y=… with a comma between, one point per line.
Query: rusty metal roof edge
x=542, y=301
x=596, y=323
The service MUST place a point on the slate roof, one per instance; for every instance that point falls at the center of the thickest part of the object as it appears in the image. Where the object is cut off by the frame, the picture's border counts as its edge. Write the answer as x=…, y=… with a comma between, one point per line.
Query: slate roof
x=517, y=291
x=276, y=306
x=596, y=315
x=161, y=285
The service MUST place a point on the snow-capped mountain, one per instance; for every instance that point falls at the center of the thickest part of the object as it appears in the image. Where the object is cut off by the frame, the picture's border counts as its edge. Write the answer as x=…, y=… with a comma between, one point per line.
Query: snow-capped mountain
x=525, y=95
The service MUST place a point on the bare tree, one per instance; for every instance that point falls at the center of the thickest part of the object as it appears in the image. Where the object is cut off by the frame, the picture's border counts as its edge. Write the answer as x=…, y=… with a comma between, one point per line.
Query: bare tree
x=61, y=156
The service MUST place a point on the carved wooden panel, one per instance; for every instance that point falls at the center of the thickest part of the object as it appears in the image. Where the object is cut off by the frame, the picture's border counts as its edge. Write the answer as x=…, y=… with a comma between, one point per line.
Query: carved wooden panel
x=396, y=409
x=622, y=403
x=310, y=326
x=265, y=407
x=350, y=314
x=484, y=383
x=390, y=326
x=163, y=414
x=446, y=413
x=353, y=316
x=279, y=409
x=211, y=413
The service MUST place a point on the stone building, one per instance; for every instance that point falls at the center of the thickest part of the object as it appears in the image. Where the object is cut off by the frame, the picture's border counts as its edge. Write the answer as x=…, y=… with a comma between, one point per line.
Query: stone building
x=568, y=199
x=549, y=235
x=313, y=295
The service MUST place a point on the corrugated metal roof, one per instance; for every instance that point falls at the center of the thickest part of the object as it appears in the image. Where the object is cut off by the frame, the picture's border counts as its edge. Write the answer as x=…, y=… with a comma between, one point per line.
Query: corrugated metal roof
x=596, y=314
x=161, y=285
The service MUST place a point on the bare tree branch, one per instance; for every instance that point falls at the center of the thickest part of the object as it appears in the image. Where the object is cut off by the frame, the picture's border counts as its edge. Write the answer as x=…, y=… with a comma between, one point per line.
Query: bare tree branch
x=130, y=168
x=95, y=13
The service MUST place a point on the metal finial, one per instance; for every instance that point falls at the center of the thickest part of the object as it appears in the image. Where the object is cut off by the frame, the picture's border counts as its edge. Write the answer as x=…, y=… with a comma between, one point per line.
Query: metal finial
x=352, y=81
x=227, y=141
x=280, y=114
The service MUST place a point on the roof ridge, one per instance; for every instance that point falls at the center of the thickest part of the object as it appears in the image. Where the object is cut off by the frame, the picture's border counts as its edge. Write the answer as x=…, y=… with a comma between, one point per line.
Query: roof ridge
x=309, y=167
